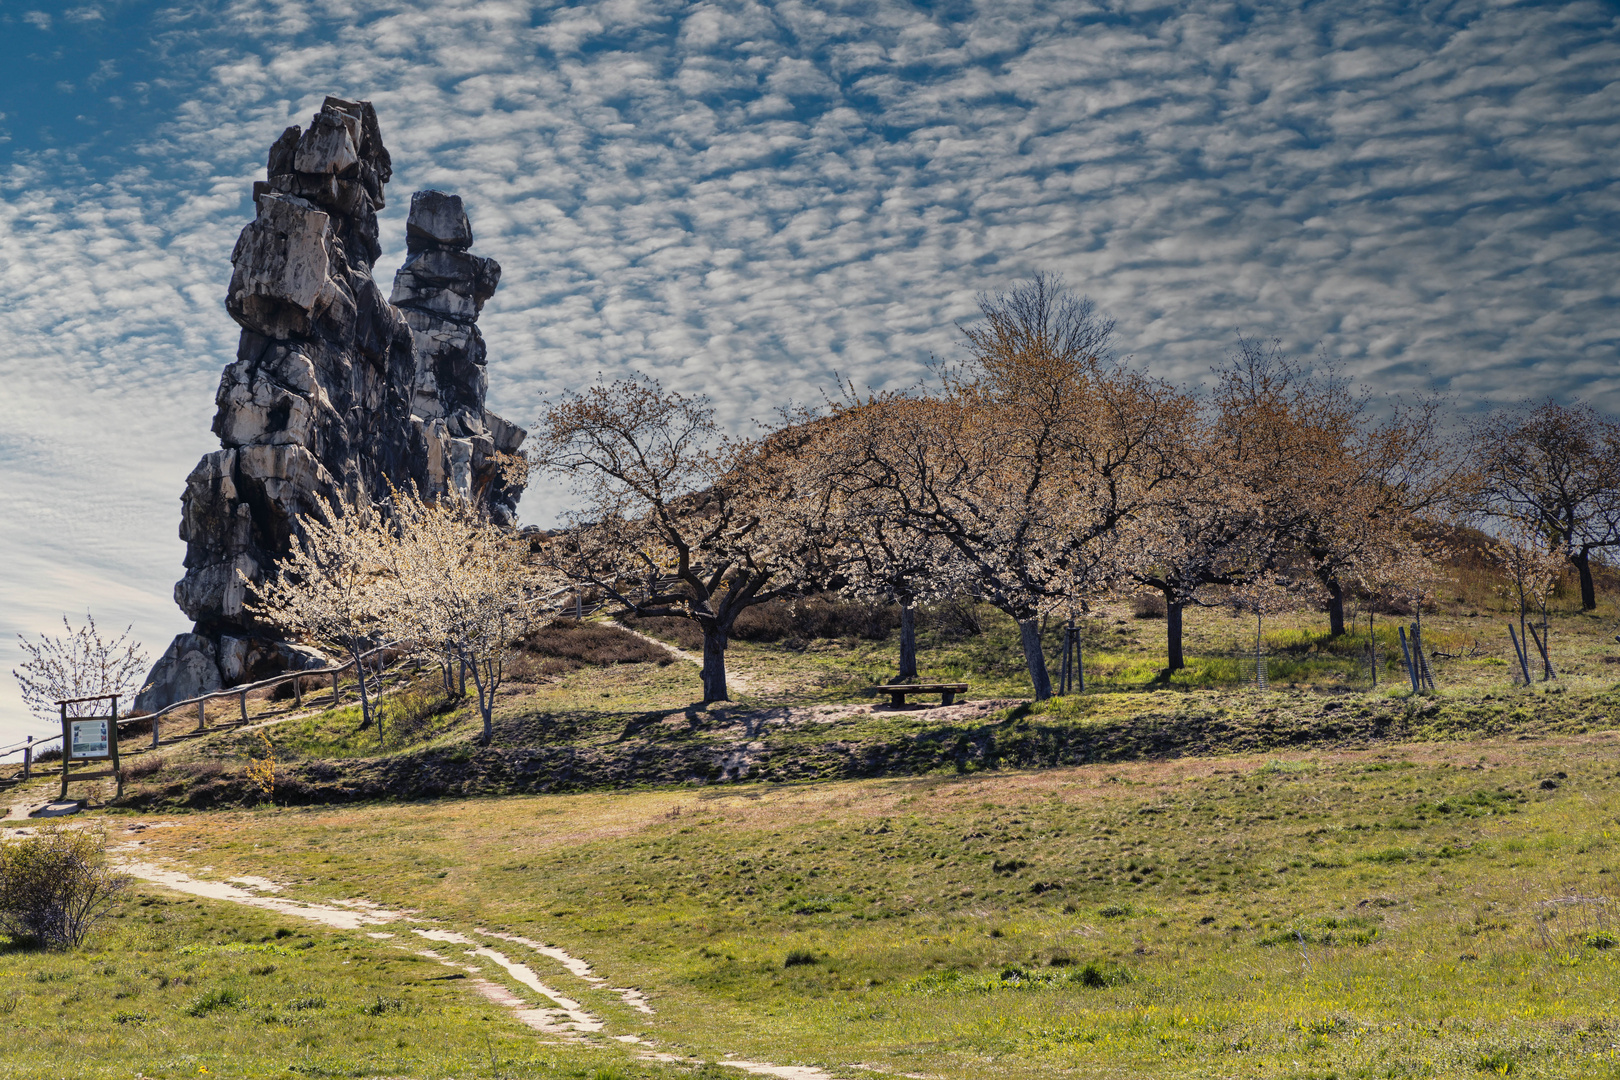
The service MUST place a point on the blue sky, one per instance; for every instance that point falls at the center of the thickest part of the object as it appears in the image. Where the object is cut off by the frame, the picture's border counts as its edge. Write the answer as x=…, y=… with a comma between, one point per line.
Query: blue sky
x=752, y=199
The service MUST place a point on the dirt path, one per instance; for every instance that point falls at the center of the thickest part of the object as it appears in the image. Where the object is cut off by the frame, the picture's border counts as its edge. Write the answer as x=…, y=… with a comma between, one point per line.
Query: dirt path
x=563, y=1018
x=733, y=680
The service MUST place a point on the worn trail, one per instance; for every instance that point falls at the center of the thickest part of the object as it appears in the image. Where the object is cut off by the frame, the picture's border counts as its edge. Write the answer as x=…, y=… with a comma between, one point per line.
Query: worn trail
x=563, y=1017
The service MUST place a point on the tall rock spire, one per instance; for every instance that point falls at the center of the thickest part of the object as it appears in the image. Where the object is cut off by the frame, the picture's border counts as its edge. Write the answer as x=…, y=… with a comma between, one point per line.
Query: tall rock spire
x=334, y=389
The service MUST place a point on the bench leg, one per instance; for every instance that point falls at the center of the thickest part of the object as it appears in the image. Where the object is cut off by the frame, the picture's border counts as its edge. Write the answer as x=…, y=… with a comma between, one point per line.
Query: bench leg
x=948, y=697
x=896, y=700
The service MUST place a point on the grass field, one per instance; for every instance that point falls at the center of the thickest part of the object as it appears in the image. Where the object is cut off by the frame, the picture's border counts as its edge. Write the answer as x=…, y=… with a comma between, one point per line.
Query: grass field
x=1430, y=910
x=1321, y=880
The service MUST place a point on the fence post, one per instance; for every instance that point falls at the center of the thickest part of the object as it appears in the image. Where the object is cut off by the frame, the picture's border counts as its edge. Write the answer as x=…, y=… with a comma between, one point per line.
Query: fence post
x=1063, y=668
x=1425, y=673
x=243, y=699
x=1520, y=652
x=298, y=690
x=1372, y=650
x=1406, y=656
x=202, y=715
x=156, y=723
x=1541, y=647
x=28, y=758
x=335, y=698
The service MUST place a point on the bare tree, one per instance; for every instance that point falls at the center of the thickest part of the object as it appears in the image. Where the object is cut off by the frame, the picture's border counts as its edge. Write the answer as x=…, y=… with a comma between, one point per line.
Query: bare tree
x=78, y=663
x=678, y=520
x=1204, y=530
x=1556, y=467
x=1336, y=484
x=1028, y=457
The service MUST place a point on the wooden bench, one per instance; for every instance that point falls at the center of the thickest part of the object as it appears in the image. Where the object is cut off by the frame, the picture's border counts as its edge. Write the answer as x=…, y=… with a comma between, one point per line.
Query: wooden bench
x=897, y=692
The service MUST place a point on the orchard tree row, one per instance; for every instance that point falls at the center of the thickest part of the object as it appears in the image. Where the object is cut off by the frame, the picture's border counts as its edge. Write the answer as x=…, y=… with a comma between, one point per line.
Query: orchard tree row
x=1043, y=473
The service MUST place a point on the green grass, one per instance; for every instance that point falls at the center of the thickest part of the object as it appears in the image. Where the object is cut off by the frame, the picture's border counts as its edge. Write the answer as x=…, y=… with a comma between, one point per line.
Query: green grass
x=173, y=987
x=1386, y=912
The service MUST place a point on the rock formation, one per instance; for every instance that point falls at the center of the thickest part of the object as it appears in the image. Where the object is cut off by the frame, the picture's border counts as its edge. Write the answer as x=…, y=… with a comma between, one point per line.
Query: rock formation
x=334, y=389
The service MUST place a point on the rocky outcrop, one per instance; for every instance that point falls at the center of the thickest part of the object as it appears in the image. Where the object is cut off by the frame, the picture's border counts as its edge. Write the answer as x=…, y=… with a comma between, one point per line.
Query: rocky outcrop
x=334, y=389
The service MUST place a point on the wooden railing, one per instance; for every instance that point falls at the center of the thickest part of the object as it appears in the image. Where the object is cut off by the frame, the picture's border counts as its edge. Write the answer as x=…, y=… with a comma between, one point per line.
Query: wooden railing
x=30, y=746
x=574, y=605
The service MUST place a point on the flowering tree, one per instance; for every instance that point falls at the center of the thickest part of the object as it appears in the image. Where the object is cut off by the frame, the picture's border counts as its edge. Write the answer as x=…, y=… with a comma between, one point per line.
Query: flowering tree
x=459, y=581
x=78, y=663
x=677, y=519
x=1204, y=530
x=334, y=586
x=1262, y=594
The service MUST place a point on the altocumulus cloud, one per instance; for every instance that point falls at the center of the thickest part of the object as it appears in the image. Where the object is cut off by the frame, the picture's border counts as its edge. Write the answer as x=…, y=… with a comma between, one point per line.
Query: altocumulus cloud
x=754, y=199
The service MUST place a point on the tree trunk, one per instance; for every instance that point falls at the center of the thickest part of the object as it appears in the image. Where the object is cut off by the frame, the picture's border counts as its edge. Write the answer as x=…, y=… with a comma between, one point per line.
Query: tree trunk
x=1335, y=608
x=1172, y=633
x=1029, y=631
x=360, y=678
x=1583, y=562
x=714, y=666
x=485, y=688
x=908, y=643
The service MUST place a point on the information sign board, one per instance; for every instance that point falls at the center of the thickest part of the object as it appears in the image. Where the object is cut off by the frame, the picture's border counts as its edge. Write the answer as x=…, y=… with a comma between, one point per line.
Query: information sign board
x=89, y=738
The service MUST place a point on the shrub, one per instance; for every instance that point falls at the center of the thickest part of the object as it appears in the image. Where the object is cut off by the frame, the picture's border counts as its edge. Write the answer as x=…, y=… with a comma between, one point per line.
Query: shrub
x=955, y=617
x=209, y=1000
x=1148, y=606
x=564, y=645
x=798, y=958
x=55, y=885
x=825, y=617
x=683, y=632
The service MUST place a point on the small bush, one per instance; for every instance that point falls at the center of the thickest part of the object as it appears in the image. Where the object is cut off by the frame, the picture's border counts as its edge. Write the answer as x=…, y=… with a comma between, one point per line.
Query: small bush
x=143, y=766
x=210, y=1000
x=380, y=1006
x=798, y=958
x=1601, y=939
x=1148, y=606
x=1101, y=975
x=956, y=617
x=56, y=884
x=565, y=645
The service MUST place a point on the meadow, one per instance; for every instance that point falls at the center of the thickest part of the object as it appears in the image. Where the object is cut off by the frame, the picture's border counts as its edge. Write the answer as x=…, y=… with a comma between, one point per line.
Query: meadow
x=1185, y=879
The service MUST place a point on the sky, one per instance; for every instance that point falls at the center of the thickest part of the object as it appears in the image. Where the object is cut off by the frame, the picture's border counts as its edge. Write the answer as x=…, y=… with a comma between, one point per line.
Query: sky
x=756, y=201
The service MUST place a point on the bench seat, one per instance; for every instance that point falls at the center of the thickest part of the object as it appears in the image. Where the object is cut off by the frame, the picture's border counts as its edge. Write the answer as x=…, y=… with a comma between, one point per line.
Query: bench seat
x=897, y=691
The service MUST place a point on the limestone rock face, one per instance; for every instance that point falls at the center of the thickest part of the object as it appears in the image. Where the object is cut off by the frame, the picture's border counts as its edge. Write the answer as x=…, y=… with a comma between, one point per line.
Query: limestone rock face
x=187, y=669
x=334, y=388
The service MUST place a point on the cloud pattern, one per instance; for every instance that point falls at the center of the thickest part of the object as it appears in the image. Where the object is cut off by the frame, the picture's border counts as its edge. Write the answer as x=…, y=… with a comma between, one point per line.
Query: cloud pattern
x=756, y=200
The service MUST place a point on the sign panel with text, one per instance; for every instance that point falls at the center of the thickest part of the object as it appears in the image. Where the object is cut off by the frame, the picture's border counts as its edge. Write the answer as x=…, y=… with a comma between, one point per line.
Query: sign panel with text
x=88, y=738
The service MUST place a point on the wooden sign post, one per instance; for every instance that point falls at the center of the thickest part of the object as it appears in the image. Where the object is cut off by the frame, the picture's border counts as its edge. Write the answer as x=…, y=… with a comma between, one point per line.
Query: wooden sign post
x=90, y=738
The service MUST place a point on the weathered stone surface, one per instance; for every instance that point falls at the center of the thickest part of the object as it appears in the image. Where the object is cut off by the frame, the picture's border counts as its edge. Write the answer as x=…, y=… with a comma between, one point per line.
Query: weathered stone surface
x=437, y=219
x=334, y=388
x=187, y=669
x=282, y=262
